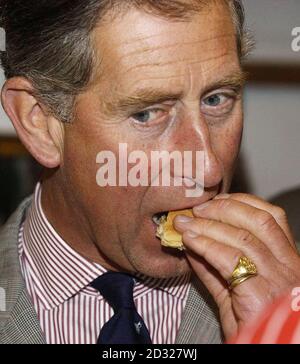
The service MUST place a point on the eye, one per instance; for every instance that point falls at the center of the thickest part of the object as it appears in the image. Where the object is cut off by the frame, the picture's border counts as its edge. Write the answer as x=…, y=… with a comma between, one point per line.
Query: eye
x=148, y=116
x=214, y=100
x=218, y=104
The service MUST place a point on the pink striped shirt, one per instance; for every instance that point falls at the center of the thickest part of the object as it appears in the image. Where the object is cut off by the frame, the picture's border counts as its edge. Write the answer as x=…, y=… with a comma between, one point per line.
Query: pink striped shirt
x=69, y=310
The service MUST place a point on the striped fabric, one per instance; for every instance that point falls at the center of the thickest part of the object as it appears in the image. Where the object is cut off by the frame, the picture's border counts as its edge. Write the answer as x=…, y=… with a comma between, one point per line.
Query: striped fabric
x=279, y=325
x=69, y=310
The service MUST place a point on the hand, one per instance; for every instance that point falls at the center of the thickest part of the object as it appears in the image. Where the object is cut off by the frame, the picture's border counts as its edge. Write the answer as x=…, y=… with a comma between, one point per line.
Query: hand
x=224, y=230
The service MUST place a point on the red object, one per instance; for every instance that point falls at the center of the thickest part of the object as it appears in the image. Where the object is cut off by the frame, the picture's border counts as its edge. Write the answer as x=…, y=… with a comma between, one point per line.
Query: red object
x=280, y=324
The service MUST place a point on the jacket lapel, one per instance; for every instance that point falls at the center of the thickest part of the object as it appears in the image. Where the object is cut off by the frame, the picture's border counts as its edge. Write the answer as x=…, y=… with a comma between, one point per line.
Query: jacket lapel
x=22, y=327
x=200, y=323
x=18, y=323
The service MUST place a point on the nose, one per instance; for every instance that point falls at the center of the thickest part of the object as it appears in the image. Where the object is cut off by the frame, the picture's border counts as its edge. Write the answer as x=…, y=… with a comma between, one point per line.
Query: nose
x=193, y=134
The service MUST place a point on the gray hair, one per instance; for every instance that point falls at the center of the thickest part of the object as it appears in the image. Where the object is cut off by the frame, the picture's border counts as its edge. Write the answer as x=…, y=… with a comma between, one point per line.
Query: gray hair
x=48, y=41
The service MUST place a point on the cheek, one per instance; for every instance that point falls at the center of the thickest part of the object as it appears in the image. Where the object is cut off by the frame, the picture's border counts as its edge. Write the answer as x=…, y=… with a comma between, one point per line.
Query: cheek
x=80, y=162
x=111, y=208
x=83, y=142
x=84, y=139
x=226, y=143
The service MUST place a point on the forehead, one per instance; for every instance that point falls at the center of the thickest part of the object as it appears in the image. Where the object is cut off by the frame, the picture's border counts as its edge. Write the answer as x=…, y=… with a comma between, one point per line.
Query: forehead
x=138, y=48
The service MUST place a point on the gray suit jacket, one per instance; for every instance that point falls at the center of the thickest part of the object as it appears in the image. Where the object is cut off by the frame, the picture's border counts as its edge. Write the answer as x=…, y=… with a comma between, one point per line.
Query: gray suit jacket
x=19, y=323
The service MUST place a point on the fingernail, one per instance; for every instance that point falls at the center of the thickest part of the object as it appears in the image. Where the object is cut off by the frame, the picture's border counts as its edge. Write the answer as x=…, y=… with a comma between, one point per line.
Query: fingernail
x=223, y=196
x=183, y=219
x=191, y=234
x=201, y=207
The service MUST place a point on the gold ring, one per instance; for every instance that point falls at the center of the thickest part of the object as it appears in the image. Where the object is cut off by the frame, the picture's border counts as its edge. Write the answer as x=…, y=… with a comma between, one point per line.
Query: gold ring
x=244, y=270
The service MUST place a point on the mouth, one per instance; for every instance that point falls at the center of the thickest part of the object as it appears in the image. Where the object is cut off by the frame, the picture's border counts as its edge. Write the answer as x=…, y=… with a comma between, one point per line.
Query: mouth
x=159, y=217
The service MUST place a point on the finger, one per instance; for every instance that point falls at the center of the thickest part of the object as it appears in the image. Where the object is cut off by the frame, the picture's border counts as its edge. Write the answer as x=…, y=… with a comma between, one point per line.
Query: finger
x=233, y=237
x=209, y=276
x=227, y=257
x=218, y=289
x=259, y=223
x=277, y=212
x=248, y=297
x=222, y=258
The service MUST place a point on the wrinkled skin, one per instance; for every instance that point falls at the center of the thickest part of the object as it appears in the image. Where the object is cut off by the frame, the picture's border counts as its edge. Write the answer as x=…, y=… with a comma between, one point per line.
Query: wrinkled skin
x=187, y=62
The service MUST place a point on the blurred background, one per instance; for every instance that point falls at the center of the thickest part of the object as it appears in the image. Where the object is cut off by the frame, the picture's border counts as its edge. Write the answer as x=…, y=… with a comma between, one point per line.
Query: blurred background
x=269, y=164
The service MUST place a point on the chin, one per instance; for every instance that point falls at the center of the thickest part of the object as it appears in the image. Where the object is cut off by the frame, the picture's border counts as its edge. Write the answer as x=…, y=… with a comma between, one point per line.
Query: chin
x=158, y=263
x=145, y=254
x=163, y=270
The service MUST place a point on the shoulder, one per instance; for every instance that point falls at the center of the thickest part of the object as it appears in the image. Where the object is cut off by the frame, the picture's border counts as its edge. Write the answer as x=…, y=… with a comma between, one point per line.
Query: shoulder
x=9, y=235
x=10, y=271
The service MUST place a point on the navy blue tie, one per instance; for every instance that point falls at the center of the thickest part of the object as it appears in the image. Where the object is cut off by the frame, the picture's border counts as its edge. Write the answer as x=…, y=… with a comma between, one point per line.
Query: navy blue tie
x=126, y=326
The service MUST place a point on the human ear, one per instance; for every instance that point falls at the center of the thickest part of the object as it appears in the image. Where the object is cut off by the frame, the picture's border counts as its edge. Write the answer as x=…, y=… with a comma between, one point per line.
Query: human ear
x=40, y=132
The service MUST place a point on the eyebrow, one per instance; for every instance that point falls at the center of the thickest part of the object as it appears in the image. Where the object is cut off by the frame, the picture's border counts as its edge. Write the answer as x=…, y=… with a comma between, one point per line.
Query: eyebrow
x=145, y=97
x=235, y=80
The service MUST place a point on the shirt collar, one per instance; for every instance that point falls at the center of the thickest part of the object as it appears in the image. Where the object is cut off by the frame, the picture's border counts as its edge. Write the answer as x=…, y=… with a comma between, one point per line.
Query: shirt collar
x=59, y=272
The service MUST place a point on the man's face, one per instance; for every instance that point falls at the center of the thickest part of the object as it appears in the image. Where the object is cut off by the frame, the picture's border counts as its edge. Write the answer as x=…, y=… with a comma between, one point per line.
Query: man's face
x=160, y=85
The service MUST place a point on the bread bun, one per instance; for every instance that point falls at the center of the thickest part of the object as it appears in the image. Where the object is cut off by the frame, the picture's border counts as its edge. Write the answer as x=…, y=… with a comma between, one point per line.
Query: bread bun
x=168, y=235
